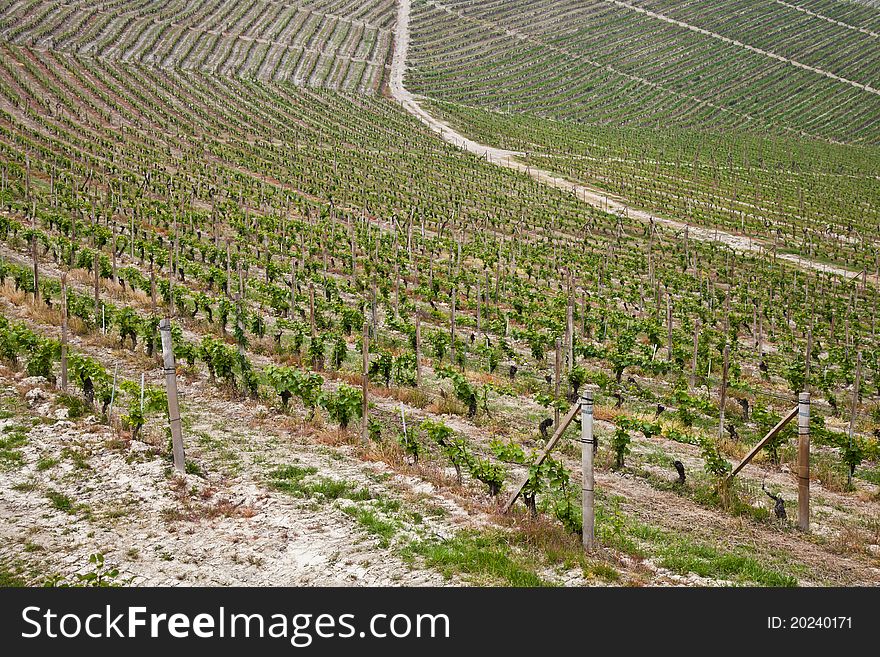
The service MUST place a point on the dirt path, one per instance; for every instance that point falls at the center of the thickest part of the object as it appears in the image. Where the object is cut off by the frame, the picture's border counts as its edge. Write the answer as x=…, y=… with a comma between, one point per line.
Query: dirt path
x=589, y=195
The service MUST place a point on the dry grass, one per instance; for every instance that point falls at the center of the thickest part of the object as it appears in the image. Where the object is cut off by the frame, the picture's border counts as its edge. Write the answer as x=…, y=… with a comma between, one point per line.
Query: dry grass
x=830, y=474
x=446, y=405
x=193, y=506
x=336, y=437
x=850, y=540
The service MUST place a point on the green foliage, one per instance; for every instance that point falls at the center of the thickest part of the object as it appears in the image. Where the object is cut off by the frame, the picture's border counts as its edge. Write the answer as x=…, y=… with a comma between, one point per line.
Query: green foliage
x=577, y=377
x=405, y=369
x=381, y=367
x=155, y=400
x=454, y=449
x=464, y=391
x=343, y=405
x=489, y=473
x=409, y=441
x=620, y=443
x=339, y=352
x=99, y=576
x=715, y=463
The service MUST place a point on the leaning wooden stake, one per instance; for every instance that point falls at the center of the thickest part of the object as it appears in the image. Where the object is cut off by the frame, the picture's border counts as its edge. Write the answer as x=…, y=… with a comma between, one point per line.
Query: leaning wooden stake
x=171, y=390
x=366, y=384
x=560, y=429
x=589, y=536
x=766, y=439
x=804, y=461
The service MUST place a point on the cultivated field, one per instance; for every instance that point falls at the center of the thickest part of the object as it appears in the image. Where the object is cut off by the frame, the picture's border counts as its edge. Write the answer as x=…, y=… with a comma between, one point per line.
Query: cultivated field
x=277, y=222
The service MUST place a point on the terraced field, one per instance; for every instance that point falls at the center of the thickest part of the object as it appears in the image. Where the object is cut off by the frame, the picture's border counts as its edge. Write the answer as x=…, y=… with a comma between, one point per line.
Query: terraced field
x=339, y=45
x=763, y=67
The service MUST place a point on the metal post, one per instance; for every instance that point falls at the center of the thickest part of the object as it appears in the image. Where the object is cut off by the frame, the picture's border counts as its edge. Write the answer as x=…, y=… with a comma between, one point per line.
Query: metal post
x=171, y=389
x=804, y=461
x=589, y=535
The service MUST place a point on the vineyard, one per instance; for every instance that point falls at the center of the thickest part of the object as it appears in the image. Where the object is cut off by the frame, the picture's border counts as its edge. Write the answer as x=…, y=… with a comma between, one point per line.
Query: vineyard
x=338, y=45
x=811, y=199
x=652, y=64
x=376, y=332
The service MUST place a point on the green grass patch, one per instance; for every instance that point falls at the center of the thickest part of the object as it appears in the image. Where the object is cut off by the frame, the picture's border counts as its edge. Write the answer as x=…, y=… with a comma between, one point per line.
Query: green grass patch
x=373, y=523
x=299, y=481
x=11, y=458
x=76, y=407
x=60, y=501
x=488, y=558
x=80, y=461
x=46, y=463
x=10, y=578
x=682, y=555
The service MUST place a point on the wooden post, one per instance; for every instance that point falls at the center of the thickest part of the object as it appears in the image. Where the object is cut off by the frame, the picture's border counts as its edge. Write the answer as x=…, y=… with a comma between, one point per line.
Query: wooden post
x=479, y=308
x=452, y=328
x=171, y=391
x=365, y=432
x=723, y=400
x=853, y=409
x=807, y=359
x=97, y=267
x=153, y=288
x=569, y=336
x=312, y=307
x=112, y=396
x=418, y=351
x=587, y=486
x=228, y=271
x=669, y=328
x=558, y=381
x=804, y=461
x=113, y=253
x=64, y=331
x=696, y=349
x=396, y=288
x=292, y=288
